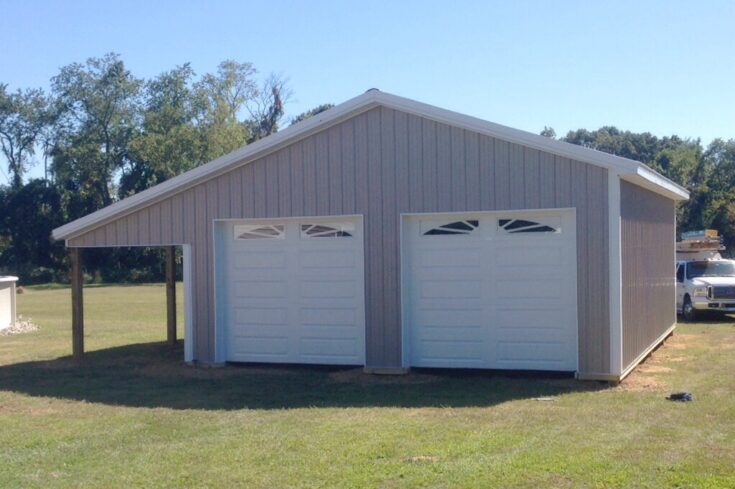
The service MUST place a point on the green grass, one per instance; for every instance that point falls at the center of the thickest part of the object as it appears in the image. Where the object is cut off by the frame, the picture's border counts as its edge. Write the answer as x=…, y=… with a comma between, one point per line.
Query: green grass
x=134, y=416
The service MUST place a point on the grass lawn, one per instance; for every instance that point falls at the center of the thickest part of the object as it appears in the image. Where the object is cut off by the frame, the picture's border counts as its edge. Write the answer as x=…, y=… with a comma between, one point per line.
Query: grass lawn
x=135, y=416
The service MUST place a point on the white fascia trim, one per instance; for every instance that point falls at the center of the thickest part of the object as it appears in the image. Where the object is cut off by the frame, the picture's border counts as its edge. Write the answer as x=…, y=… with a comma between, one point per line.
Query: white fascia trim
x=335, y=115
x=615, y=274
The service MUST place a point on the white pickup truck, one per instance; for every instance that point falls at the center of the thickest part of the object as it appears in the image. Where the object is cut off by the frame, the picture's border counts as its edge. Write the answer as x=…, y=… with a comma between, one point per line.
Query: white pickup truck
x=705, y=285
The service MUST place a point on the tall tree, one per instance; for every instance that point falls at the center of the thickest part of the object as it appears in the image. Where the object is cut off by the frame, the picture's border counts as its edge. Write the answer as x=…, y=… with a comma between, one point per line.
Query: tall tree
x=23, y=117
x=169, y=142
x=99, y=114
x=221, y=98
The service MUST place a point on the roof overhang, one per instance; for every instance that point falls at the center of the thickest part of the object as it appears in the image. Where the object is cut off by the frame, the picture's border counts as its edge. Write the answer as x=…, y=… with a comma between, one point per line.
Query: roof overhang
x=630, y=170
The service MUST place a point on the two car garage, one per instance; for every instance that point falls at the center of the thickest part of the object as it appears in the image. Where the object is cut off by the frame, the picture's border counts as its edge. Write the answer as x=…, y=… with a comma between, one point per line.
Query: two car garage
x=479, y=290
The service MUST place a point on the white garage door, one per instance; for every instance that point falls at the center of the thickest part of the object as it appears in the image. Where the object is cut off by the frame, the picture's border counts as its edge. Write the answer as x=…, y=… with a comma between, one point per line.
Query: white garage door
x=491, y=290
x=292, y=291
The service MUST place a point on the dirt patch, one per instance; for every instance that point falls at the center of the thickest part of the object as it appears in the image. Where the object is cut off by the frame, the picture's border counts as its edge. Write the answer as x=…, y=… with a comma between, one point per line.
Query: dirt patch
x=358, y=376
x=637, y=382
x=652, y=368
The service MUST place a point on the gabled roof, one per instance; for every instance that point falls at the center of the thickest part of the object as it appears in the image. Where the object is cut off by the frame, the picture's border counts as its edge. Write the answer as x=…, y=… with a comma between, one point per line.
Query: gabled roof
x=627, y=169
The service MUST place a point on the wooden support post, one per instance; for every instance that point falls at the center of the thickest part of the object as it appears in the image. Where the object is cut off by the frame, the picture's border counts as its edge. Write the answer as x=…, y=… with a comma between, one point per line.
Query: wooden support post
x=171, y=295
x=77, y=304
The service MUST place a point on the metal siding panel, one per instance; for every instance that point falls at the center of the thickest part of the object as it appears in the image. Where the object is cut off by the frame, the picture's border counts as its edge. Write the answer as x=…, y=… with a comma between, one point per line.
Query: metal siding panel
x=389, y=234
x=111, y=233
x=322, y=174
x=259, y=189
x=502, y=174
x=272, y=186
x=235, y=192
x=458, y=175
x=472, y=152
x=402, y=162
x=310, y=193
x=224, y=198
x=335, y=170
x=429, y=171
x=517, y=180
x=579, y=200
x=284, y=183
x=444, y=167
x=562, y=182
x=531, y=177
x=297, y=179
x=648, y=233
x=487, y=173
x=415, y=164
x=361, y=167
x=546, y=180
x=374, y=243
x=177, y=216
x=347, y=154
x=248, y=191
x=155, y=224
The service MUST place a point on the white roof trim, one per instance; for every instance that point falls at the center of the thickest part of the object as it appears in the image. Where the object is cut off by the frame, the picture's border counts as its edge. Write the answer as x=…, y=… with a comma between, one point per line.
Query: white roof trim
x=372, y=98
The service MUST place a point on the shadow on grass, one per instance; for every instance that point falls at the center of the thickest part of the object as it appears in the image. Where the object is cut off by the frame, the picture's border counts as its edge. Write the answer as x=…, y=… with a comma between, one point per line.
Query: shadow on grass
x=153, y=375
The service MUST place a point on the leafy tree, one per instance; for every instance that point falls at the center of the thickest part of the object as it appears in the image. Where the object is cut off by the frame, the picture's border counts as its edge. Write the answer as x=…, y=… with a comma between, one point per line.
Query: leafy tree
x=27, y=214
x=23, y=116
x=310, y=113
x=548, y=132
x=169, y=142
x=99, y=103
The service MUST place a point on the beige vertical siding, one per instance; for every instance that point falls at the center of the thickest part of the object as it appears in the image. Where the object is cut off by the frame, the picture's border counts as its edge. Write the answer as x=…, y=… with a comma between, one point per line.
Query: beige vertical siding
x=648, y=233
x=380, y=164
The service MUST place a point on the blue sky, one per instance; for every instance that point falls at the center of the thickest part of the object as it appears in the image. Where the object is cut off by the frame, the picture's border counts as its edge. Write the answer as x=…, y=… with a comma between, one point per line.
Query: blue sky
x=664, y=67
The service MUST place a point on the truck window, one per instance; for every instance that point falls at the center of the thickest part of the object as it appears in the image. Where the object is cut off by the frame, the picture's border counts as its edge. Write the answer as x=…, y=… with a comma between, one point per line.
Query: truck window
x=715, y=268
x=680, y=273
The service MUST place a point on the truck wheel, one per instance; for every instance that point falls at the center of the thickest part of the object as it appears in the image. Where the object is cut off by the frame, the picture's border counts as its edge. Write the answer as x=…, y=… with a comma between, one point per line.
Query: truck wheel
x=688, y=311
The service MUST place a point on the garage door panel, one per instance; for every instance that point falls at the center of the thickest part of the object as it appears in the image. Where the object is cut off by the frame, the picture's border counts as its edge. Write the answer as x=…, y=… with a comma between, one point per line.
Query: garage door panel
x=277, y=289
x=454, y=352
x=244, y=260
x=449, y=258
x=528, y=256
x=328, y=289
x=325, y=348
x=530, y=351
x=446, y=316
x=497, y=297
x=328, y=259
x=450, y=289
x=520, y=317
x=527, y=290
x=261, y=315
x=328, y=315
x=267, y=346
x=295, y=299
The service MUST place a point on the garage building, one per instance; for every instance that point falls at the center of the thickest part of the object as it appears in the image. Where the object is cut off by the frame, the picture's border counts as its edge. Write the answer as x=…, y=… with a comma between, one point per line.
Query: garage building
x=391, y=234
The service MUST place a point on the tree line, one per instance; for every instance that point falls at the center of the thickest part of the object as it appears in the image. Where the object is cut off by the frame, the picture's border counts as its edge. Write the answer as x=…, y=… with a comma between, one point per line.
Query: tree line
x=101, y=134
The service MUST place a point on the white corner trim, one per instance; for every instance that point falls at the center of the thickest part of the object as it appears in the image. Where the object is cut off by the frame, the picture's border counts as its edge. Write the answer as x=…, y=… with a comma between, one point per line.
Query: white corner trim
x=189, y=338
x=354, y=106
x=615, y=274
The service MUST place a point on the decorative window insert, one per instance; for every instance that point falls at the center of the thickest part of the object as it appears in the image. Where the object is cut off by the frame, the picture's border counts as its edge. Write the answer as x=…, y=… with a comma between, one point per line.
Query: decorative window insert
x=514, y=226
x=454, y=227
x=331, y=230
x=260, y=231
